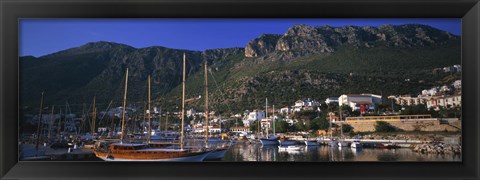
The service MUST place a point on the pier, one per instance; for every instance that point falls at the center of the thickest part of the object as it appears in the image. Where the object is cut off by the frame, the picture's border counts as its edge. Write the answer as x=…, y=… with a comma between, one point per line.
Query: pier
x=28, y=152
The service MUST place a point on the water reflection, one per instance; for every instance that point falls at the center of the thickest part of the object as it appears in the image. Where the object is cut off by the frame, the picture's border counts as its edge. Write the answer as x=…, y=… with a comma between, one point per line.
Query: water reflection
x=257, y=152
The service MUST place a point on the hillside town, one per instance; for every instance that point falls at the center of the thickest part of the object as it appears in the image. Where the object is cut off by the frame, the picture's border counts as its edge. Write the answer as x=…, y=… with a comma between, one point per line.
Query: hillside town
x=307, y=92
x=434, y=99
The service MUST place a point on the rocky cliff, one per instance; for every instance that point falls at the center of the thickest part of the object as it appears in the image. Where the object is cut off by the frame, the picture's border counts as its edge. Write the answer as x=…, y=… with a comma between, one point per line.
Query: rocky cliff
x=303, y=40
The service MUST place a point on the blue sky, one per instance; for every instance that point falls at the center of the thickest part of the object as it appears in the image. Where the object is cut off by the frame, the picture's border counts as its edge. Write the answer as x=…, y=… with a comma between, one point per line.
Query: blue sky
x=40, y=37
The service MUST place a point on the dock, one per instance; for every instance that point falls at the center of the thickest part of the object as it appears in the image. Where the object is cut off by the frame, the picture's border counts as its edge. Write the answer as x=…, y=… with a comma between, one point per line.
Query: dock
x=29, y=153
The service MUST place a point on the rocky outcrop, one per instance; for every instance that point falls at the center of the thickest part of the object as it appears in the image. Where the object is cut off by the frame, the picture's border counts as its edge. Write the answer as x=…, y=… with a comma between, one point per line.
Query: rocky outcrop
x=263, y=45
x=303, y=40
x=438, y=148
x=220, y=54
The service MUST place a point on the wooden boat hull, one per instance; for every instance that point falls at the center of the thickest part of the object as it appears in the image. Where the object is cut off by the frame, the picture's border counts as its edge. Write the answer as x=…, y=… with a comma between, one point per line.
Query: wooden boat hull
x=153, y=156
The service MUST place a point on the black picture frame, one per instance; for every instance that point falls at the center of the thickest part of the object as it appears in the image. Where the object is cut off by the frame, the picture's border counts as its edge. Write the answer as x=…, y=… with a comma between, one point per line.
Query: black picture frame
x=11, y=11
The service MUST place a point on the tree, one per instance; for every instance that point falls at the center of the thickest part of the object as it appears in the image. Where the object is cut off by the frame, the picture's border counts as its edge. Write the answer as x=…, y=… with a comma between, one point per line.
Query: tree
x=254, y=126
x=322, y=123
x=417, y=109
x=306, y=115
x=281, y=126
x=382, y=126
x=347, y=128
x=300, y=126
x=311, y=125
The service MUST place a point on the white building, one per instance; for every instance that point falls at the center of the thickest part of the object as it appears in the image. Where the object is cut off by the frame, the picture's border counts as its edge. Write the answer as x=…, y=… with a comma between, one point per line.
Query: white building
x=331, y=100
x=408, y=100
x=157, y=110
x=305, y=104
x=240, y=129
x=253, y=116
x=457, y=84
x=360, y=102
x=444, y=101
x=299, y=103
x=430, y=92
x=458, y=67
x=285, y=110
x=191, y=112
x=211, y=129
x=266, y=123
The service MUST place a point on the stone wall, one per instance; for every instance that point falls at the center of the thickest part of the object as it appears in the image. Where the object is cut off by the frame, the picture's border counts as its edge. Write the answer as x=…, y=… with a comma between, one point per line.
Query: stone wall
x=420, y=125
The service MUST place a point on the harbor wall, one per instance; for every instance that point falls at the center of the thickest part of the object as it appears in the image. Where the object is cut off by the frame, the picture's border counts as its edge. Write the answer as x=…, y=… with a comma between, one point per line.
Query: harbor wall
x=411, y=125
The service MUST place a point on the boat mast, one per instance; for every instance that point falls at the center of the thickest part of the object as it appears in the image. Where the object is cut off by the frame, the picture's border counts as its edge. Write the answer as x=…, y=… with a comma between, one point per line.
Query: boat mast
x=166, y=122
x=112, y=124
x=83, y=120
x=93, y=117
x=206, y=105
x=266, y=115
x=220, y=123
x=59, y=125
x=330, y=125
x=39, y=122
x=124, y=104
x=273, y=119
x=148, y=111
x=144, y=116
x=183, y=103
x=340, y=120
x=51, y=122
x=160, y=118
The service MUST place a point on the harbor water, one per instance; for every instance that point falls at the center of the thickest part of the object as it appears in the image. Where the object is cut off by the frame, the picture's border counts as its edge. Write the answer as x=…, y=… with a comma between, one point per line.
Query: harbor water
x=258, y=152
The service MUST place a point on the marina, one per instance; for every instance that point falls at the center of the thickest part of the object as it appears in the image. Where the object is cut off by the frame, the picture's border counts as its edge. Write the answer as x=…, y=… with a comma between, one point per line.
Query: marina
x=243, y=150
x=287, y=102
x=257, y=152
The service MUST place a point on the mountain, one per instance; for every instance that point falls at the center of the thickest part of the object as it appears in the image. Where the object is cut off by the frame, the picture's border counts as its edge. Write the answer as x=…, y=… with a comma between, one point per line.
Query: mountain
x=305, y=62
x=302, y=40
x=98, y=68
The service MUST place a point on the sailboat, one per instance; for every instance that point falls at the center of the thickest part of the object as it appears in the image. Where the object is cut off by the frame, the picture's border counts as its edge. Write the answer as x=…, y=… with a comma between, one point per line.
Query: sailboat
x=220, y=149
x=268, y=141
x=144, y=152
x=342, y=142
x=333, y=142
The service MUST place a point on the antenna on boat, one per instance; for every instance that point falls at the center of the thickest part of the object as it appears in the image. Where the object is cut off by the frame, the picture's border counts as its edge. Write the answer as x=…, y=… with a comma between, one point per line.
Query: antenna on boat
x=124, y=104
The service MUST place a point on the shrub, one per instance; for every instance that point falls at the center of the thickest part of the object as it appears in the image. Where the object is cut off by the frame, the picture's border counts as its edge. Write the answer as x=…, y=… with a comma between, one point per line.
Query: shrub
x=382, y=126
x=347, y=128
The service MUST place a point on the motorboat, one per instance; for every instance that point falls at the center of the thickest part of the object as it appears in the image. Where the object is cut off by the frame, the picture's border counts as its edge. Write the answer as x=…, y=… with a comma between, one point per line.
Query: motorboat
x=289, y=148
x=287, y=142
x=270, y=141
x=356, y=145
x=333, y=143
x=311, y=143
x=342, y=144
